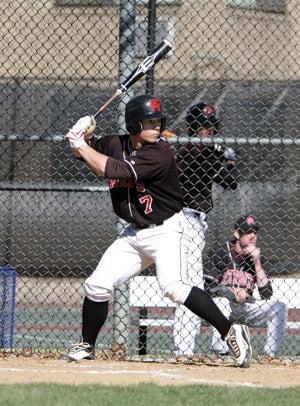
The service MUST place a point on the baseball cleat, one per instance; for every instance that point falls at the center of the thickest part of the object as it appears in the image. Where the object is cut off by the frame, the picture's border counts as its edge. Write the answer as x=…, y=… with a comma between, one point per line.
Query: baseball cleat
x=238, y=340
x=78, y=352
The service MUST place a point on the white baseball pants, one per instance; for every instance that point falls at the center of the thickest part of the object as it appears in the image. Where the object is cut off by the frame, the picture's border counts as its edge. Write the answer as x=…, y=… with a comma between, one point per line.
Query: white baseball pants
x=166, y=245
x=187, y=324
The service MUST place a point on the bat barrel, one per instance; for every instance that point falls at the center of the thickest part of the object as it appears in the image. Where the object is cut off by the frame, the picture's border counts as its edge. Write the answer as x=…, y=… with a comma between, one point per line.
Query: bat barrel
x=161, y=50
x=156, y=55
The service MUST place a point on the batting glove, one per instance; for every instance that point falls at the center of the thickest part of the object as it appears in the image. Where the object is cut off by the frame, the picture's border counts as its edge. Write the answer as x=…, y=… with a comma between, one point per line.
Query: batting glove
x=78, y=134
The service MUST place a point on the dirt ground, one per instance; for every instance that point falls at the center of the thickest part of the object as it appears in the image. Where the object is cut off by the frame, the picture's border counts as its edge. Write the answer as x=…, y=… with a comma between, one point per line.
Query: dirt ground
x=108, y=372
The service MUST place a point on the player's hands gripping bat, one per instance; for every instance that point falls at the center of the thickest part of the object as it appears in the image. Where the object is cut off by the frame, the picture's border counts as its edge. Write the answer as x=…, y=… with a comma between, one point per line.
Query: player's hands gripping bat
x=156, y=55
x=80, y=132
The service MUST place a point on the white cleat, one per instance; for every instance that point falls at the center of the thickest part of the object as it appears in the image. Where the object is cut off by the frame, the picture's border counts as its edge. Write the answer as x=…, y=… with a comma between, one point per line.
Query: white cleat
x=78, y=352
x=238, y=340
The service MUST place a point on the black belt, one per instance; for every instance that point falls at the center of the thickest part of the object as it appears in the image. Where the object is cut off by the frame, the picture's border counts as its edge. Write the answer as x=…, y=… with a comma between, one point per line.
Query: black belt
x=142, y=226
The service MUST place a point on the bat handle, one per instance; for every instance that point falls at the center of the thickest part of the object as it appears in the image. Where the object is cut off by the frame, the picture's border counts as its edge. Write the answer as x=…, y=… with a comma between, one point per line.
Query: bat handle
x=105, y=105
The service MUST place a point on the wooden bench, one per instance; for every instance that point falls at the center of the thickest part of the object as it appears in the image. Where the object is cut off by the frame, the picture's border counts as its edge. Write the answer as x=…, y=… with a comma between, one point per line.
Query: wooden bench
x=145, y=294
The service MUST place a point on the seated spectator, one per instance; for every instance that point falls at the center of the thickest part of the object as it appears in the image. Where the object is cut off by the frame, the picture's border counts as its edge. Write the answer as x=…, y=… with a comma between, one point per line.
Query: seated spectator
x=233, y=270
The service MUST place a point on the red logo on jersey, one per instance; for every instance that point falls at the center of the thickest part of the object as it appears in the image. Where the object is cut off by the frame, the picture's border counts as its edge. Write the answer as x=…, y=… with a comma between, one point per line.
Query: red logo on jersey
x=154, y=105
x=127, y=183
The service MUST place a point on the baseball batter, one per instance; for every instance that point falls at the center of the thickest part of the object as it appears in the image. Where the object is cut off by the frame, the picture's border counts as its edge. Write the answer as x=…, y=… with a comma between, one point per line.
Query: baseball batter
x=199, y=166
x=145, y=191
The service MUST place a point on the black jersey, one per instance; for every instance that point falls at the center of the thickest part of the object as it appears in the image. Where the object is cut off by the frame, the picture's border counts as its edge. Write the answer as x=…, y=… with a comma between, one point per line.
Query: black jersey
x=199, y=166
x=144, y=184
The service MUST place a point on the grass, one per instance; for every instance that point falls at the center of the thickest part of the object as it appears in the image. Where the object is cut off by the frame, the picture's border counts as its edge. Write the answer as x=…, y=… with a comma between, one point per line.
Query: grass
x=144, y=394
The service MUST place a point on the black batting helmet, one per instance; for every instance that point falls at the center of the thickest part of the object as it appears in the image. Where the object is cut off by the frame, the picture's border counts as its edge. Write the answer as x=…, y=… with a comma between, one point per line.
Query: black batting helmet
x=199, y=115
x=144, y=107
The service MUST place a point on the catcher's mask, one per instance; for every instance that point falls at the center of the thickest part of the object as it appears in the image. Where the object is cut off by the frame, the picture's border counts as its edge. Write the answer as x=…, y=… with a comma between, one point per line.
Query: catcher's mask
x=144, y=107
x=200, y=115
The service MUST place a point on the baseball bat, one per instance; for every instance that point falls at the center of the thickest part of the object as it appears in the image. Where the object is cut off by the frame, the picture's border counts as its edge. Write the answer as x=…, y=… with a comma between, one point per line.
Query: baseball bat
x=156, y=55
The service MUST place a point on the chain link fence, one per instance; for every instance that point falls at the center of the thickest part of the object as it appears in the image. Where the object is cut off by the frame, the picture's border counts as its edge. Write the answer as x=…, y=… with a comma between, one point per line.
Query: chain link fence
x=61, y=60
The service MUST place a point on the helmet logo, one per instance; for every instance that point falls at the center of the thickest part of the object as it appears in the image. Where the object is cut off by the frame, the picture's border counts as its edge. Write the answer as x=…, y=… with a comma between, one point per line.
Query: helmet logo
x=250, y=220
x=154, y=105
x=208, y=110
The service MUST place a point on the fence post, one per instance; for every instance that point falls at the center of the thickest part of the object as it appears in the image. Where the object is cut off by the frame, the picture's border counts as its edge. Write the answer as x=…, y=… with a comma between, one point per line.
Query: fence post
x=7, y=305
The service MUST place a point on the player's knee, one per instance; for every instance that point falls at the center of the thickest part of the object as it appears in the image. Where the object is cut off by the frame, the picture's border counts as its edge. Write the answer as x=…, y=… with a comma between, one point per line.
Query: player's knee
x=95, y=292
x=177, y=291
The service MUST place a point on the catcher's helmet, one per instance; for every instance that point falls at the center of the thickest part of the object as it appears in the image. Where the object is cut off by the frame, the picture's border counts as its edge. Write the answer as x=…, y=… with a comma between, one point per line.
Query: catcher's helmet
x=199, y=115
x=144, y=107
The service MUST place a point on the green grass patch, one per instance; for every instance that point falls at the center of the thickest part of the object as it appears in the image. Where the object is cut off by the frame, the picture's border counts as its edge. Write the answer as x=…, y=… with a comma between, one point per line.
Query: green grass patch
x=143, y=394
